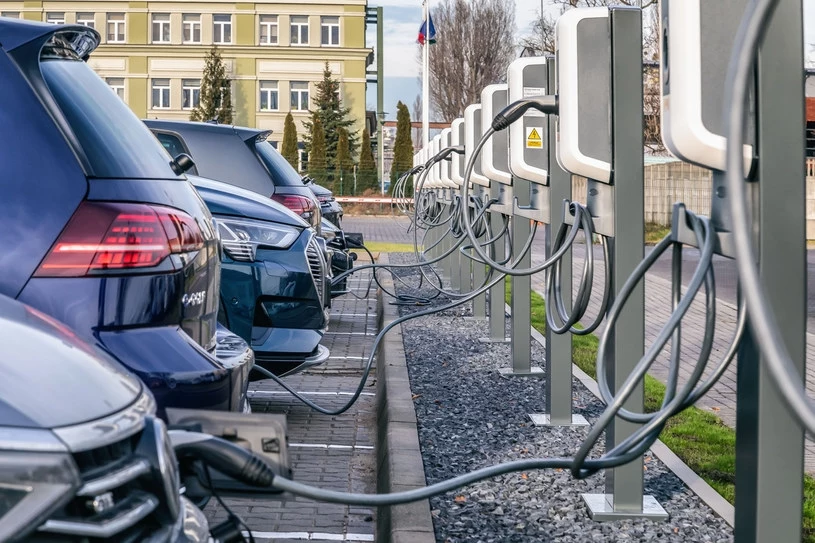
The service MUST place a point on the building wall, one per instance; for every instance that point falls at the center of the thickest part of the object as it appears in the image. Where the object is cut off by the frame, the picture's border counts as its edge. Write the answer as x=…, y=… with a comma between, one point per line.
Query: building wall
x=140, y=61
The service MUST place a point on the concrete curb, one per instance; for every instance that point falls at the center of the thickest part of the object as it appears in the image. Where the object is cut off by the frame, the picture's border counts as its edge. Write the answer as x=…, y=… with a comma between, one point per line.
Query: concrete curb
x=399, y=458
x=698, y=486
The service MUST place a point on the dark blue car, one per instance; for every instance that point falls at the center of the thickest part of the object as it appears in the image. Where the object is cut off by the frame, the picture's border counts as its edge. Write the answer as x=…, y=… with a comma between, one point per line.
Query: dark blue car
x=273, y=278
x=100, y=230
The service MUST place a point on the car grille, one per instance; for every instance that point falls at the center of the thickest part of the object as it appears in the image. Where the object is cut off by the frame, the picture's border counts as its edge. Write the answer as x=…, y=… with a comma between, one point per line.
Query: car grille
x=122, y=498
x=316, y=265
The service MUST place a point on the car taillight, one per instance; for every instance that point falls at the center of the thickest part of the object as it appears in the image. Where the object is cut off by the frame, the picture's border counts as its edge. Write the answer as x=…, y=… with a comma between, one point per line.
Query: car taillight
x=113, y=236
x=299, y=204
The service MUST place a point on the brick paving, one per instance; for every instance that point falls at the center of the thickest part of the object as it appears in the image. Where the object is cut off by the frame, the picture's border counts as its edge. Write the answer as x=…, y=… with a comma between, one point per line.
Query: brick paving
x=721, y=399
x=333, y=452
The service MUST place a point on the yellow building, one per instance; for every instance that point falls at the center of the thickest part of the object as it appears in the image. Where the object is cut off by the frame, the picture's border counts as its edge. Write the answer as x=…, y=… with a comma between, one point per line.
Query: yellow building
x=152, y=53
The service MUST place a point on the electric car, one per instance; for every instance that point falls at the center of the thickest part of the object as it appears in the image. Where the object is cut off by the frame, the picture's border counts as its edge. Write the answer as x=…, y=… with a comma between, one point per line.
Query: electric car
x=273, y=278
x=329, y=206
x=100, y=231
x=242, y=157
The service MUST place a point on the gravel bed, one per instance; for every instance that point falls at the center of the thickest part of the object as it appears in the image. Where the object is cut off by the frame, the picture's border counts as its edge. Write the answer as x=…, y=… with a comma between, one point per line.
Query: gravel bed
x=471, y=417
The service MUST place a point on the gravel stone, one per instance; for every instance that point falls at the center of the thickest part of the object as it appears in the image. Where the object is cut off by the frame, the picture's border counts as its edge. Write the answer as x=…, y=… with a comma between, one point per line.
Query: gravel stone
x=472, y=417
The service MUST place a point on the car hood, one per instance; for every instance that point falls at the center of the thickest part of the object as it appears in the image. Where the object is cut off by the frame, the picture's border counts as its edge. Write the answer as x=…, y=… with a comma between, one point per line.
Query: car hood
x=52, y=378
x=225, y=199
x=319, y=190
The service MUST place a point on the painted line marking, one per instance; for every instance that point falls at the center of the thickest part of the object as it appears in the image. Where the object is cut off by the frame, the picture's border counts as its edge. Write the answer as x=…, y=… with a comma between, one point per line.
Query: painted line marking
x=349, y=334
x=311, y=536
x=348, y=358
x=353, y=314
x=309, y=393
x=330, y=446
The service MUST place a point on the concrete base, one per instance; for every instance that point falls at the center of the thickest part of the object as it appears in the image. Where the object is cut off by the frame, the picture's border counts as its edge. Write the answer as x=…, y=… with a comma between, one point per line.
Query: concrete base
x=490, y=340
x=475, y=319
x=601, y=508
x=534, y=371
x=540, y=419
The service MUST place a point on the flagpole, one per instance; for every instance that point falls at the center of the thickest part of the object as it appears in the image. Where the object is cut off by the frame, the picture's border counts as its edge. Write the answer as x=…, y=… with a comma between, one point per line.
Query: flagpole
x=426, y=78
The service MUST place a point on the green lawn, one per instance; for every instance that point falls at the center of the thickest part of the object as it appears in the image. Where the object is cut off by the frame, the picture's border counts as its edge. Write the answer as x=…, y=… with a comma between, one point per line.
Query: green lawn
x=698, y=437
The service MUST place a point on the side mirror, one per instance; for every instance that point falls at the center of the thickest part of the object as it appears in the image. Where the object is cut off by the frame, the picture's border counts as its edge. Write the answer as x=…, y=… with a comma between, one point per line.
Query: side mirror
x=182, y=163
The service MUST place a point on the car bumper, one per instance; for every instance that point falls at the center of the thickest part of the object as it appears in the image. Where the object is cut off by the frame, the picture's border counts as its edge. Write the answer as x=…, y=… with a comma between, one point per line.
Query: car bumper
x=283, y=364
x=179, y=372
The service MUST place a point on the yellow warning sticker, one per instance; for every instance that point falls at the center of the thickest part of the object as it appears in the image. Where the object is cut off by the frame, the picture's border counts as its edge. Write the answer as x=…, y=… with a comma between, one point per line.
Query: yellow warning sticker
x=533, y=137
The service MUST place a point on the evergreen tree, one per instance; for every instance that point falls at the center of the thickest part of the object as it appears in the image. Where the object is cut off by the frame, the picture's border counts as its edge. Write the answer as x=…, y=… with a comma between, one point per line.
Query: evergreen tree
x=344, y=164
x=316, y=155
x=403, y=146
x=216, y=94
x=366, y=171
x=333, y=116
x=289, y=146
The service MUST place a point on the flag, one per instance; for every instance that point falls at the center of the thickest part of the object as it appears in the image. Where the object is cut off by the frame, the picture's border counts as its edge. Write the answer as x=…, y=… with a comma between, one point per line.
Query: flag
x=424, y=35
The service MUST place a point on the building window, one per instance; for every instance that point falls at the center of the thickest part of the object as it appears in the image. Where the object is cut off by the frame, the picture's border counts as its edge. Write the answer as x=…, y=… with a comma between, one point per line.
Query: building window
x=10, y=14
x=299, y=30
x=190, y=93
x=222, y=28
x=116, y=27
x=299, y=96
x=268, y=96
x=161, y=94
x=161, y=28
x=268, y=29
x=85, y=19
x=191, y=23
x=55, y=18
x=810, y=139
x=118, y=86
x=330, y=30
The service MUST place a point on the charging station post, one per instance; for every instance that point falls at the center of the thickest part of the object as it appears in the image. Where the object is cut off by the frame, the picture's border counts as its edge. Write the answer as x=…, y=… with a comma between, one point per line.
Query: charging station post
x=473, y=132
x=461, y=264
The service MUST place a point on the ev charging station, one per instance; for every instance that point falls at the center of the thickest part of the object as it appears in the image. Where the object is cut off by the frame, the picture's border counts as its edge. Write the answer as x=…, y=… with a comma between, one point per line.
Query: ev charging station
x=473, y=132
x=697, y=42
x=449, y=197
x=599, y=136
x=461, y=264
x=495, y=168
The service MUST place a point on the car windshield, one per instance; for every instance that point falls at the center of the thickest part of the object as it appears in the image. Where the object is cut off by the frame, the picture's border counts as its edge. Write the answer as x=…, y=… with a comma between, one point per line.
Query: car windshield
x=282, y=172
x=116, y=143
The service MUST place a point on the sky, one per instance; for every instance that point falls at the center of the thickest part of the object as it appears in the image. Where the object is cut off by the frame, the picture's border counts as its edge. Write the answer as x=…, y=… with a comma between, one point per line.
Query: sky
x=401, y=26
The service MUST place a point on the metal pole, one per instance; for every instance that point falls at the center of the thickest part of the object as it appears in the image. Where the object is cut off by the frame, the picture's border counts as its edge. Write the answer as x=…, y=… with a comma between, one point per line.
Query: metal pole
x=497, y=298
x=769, y=442
x=426, y=77
x=380, y=97
x=624, y=485
x=558, y=368
x=480, y=276
x=521, y=296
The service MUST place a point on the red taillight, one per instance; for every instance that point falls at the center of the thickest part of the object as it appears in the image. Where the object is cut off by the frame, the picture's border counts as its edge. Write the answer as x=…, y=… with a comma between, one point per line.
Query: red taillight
x=114, y=236
x=299, y=204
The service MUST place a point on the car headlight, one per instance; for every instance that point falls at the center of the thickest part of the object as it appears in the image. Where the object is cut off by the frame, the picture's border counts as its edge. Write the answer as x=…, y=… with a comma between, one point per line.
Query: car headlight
x=242, y=237
x=37, y=475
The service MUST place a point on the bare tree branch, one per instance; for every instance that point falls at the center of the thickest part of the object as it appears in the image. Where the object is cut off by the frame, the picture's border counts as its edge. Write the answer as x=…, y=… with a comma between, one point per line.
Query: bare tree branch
x=475, y=44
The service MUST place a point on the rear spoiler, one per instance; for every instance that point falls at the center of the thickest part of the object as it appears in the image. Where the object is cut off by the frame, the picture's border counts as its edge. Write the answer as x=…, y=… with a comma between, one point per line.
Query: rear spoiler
x=16, y=33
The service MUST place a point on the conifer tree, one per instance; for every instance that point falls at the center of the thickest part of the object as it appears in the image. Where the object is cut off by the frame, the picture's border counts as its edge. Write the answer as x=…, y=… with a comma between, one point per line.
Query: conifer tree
x=316, y=155
x=403, y=146
x=366, y=171
x=216, y=94
x=332, y=115
x=289, y=146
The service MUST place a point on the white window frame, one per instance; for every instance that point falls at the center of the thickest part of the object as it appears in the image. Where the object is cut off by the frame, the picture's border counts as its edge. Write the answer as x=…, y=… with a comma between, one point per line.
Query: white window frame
x=219, y=29
x=272, y=89
x=271, y=23
x=333, y=31
x=164, y=92
x=118, y=89
x=297, y=33
x=118, y=27
x=190, y=22
x=87, y=19
x=299, y=92
x=163, y=28
x=188, y=86
x=55, y=17
x=10, y=14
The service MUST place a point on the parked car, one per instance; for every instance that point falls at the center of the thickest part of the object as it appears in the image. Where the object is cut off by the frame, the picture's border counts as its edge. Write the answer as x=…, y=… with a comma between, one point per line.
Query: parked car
x=329, y=206
x=100, y=231
x=273, y=279
x=84, y=457
x=242, y=157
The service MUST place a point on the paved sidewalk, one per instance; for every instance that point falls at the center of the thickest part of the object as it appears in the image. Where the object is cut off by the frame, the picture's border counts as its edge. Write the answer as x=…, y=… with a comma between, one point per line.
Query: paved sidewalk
x=332, y=452
x=721, y=400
